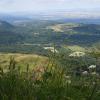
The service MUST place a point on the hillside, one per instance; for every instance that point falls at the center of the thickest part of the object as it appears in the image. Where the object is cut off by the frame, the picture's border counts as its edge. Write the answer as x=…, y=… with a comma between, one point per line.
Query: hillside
x=5, y=25
x=37, y=34
x=58, y=77
x=7, y=34
x=22, y=59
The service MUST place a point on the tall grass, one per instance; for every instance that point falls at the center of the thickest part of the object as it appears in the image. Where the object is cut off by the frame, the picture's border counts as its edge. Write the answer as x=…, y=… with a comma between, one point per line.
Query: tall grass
x=52, y=82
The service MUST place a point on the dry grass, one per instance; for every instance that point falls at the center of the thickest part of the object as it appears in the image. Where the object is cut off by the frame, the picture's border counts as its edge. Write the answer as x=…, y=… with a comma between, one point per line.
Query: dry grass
x=75, y=48
x=22, y=60
x=63, y=27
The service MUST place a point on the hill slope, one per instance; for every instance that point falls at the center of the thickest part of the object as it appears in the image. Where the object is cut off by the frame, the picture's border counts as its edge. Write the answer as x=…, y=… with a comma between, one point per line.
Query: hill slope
x=34, y=35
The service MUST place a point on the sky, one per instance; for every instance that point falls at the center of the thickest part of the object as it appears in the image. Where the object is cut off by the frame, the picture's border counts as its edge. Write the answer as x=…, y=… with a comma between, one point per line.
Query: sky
x=8, y=6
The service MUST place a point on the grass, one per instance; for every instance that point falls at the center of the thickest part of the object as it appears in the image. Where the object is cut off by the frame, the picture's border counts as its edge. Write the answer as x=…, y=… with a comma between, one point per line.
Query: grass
x=67, y=28
x=22, y=59
x=75, y=48
x=50, y=81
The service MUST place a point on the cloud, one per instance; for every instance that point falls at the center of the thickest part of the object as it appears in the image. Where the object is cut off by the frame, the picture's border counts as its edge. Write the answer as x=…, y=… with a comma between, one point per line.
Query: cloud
x=40, y=5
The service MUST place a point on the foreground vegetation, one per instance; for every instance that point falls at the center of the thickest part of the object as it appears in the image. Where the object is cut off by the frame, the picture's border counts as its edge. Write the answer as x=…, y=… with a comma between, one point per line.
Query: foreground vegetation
x=57, y=79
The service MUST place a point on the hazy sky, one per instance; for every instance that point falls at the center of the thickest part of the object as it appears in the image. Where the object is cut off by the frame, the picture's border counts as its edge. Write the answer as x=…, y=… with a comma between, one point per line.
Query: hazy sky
x=49, y=5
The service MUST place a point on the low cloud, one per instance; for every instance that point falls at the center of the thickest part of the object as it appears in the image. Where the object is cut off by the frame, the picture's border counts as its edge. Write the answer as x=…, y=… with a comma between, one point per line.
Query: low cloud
x=36, y=5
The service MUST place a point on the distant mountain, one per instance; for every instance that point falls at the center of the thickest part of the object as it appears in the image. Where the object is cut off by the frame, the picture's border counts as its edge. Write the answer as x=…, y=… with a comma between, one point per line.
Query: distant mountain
x=5, y=25
x=7, y=33
x=76, y=33
x=12, y=18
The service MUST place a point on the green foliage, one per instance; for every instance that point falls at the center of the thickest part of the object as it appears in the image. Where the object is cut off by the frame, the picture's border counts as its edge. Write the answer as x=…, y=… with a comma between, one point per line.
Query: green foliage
x=52, y=82
x=36, y=34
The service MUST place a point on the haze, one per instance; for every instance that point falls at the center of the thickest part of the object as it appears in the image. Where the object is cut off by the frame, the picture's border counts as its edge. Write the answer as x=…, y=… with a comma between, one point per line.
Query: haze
x=77, y=7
